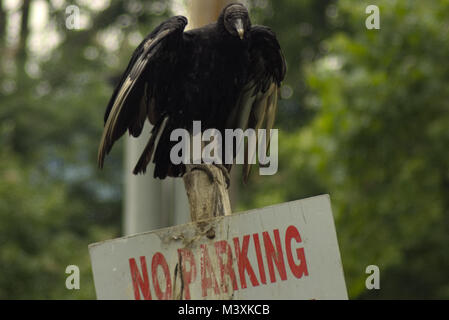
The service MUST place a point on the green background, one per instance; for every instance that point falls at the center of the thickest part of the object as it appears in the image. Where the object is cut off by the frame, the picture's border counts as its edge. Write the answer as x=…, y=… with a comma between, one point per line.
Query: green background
x=364, y=117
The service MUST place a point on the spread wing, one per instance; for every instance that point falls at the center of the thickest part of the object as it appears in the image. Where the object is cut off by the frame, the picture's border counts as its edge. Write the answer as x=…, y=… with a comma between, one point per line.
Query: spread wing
x=133, y=98
x=256, y=107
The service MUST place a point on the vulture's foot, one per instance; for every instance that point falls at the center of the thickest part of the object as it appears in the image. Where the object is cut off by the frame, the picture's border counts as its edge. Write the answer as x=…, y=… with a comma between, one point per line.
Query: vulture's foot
x=205, y=169
x=210, y=174
x=226, y=174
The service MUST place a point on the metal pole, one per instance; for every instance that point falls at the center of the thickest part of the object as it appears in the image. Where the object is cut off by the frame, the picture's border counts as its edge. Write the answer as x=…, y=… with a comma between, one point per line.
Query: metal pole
x=142, y=195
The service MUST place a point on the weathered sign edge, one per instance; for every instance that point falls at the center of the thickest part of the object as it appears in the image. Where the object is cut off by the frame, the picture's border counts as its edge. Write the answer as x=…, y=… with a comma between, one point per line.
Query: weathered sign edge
x=93, y=245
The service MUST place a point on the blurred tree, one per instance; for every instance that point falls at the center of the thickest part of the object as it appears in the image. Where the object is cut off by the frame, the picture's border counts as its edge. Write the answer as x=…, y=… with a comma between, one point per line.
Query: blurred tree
x=378, y=145
x=53, y=200
x=55, y=84
x=364, y=118
x=301, y=27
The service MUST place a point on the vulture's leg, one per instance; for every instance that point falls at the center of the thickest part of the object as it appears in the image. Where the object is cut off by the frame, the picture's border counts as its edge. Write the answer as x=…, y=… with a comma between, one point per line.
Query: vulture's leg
x=210, y=174
x=204, y=169
x=206, y=190
x=226, y=174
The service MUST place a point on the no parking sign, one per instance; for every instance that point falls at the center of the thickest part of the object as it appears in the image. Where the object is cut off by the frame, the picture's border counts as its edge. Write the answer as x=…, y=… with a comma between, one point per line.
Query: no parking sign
x=286, y=251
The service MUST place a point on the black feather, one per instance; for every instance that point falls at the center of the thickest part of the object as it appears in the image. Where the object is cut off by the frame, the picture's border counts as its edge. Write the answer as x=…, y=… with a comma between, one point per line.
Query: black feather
x=208, y=74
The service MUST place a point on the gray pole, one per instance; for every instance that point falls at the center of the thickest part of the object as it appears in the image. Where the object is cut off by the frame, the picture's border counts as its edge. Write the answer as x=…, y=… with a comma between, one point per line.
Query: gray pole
x=150, y=203
x=142, y=197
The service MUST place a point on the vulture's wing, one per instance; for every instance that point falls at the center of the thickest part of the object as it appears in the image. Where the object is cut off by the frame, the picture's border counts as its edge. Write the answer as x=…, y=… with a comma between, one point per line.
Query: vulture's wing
x=257, y=104
x=131, y=102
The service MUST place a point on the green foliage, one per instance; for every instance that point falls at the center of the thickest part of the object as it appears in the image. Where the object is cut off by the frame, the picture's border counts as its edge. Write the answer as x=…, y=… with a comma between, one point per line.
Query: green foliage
x=53, y=199
x=364, y=118
x=300, y=27
x=378, y=145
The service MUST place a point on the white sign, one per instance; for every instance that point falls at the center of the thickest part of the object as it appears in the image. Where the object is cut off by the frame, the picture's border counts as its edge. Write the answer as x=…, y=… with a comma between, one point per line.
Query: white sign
x=286, y=251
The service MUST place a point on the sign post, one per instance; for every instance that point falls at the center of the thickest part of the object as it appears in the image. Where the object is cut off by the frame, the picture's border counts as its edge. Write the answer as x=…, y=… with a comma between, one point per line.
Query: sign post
x=286, y=251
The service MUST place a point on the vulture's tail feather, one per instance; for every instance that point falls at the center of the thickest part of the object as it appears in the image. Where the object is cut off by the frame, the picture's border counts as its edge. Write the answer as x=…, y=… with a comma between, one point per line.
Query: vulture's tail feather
x=147, y=153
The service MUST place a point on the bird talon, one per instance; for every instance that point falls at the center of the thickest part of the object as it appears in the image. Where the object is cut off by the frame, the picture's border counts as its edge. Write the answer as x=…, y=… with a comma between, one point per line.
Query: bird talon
x=226, y=174
x=210, y=174
x=204, y=169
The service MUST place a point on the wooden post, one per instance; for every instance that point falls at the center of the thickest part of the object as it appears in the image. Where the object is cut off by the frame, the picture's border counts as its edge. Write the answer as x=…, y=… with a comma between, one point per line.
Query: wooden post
x=208, y=197
x=202, y=12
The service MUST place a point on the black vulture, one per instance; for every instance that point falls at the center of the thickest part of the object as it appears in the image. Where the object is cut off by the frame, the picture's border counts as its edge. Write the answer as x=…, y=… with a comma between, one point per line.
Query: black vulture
x=226, y=75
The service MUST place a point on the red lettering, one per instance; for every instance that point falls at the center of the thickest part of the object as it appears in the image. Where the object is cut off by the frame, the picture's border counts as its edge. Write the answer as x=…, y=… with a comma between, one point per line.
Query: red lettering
x=263, y=278
x=300, y=269
x=222, y=247
x=275, y=256
x=188, y=276
x=159, y=260
x=243, y=262
x=207, y=273
x=138, y=282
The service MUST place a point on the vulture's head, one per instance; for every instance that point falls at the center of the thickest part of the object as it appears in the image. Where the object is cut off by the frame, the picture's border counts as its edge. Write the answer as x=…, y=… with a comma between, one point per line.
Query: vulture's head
x=236, y=20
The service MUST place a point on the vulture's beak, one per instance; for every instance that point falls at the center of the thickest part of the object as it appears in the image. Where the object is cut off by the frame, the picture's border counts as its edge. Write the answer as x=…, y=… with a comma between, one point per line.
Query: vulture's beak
x=239, y=28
